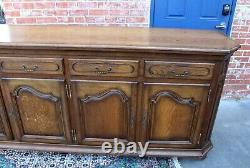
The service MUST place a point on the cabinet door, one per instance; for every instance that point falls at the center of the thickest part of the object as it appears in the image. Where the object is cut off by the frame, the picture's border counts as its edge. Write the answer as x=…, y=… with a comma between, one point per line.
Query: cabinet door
x=5, y=132
x=37, y=110
x=173, y=114
x=106, y=110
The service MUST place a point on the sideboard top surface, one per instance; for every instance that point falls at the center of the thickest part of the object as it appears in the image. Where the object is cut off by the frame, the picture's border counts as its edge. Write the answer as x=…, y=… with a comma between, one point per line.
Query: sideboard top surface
x=107, y=38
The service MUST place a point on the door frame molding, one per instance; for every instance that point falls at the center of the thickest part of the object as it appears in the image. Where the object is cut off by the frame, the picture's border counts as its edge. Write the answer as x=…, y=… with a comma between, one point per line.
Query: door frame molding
x=230, y=21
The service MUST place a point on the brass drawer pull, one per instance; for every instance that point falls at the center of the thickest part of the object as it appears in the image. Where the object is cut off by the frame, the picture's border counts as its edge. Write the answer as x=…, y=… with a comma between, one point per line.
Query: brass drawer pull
x=27, y=69
x=99, y=71
x=184, y=74
x=171, y=73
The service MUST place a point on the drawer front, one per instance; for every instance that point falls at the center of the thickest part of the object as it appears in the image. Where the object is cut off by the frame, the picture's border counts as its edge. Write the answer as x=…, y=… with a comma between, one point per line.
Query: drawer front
x=32, y=65
x=156, y=69
x=95, y=67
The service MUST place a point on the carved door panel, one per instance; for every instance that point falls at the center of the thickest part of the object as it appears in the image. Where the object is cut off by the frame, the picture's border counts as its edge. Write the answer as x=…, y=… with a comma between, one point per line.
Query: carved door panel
x=5, y=131
x=106, y=110
x=173, y=114
x=37, y=110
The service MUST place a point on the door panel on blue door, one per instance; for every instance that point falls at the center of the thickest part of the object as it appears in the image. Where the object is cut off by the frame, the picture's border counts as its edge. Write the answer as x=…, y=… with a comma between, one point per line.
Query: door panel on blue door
x=175, y=10
x=193, y=14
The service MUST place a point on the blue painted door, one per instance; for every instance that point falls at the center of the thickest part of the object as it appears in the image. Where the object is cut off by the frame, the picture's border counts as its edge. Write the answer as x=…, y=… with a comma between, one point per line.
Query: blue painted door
x=193, y=14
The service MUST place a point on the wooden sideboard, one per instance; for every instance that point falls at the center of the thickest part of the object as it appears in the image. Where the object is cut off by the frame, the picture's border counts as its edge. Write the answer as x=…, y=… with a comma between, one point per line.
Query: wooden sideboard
x=71, y=88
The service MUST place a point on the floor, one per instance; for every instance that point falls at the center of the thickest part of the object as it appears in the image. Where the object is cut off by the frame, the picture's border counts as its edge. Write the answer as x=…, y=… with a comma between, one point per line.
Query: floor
x=231, y=138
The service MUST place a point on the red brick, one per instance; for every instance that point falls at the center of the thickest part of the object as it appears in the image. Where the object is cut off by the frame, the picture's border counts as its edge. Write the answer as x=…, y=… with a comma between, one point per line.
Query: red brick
x=243, y=2
x=242, y=59
x=25, y=20
x=44, y=5
x=95, y=19
x=240, y=28
x=36, y=13
x=236, y=87
x=240, y=41
x=56, y=13
x=46, y=20
x=247, y=65
x=98, y=12
x=238, y=81
x=113, y=20
x=80, y=19
x=238, y=53
x=248, y=41
x=13, y=13
x=78, y=12
x=231, y=76
x=246, y=53
x=65, y=20
x=232, y=65
x=119, y=12
x=245, y=76
x=244, y=35
x=113, y=5
x=7, y=6
x=87, y=5
x=137, y=12
x=135, y=19
x=66, y=4
x=23, y=5
x=245, y=47
x=235, y=35
x=10, y=20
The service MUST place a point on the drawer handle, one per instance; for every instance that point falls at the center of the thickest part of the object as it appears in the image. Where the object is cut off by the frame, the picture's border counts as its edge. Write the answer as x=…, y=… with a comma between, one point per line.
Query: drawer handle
x=184, y=74
x=98, y=71
x=27, y=69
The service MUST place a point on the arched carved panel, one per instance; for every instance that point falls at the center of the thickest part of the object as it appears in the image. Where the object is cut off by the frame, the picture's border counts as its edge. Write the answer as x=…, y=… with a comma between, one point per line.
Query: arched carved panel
x=105, y=115
x=38, y=114
x=172, y=118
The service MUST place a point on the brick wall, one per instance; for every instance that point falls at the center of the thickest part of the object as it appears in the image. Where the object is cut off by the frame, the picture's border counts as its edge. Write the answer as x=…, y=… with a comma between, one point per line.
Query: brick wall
x=131, y=13
x=98, y=12
x=238, y=77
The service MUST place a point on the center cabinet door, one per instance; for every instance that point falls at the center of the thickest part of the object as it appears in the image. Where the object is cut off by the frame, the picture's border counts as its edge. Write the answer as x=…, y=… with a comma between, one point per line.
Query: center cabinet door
x=37, y=109
x=106, y=110
x=173, y=114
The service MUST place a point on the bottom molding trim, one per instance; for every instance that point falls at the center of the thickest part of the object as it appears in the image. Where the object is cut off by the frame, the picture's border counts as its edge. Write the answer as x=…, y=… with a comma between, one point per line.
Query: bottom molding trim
x=160, y=152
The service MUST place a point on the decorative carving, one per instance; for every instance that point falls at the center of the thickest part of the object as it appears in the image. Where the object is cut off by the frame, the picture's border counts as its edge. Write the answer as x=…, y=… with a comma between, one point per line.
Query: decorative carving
x=17, y=93
x=103, y=95
x=177, y=98
x=102, y=68
x=173, y=70
x=174, y=96
x=29, y=66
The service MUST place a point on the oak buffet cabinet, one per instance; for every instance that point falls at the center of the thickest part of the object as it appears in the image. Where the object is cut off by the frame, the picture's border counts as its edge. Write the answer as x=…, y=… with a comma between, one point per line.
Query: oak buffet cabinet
x=71, y=88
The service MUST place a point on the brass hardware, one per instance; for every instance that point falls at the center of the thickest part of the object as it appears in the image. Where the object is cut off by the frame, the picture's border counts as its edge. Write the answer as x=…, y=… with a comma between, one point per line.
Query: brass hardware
x=199, y=138
x=144, y=120
x=132, y=121
x=68, y=90
x=27, y=69
x=98, y=71
x=209, y=95
x=73, y=134
x=171, y=73
x=184, y=74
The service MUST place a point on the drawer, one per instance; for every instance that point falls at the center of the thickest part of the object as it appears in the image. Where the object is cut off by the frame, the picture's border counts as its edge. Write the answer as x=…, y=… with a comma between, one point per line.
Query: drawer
x=156, y=69
x=96, y=67
x=31, y=65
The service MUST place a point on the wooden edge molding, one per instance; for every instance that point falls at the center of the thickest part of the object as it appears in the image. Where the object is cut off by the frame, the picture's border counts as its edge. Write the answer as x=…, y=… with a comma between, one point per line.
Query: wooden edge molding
x=161, y=152
x=21, y=89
